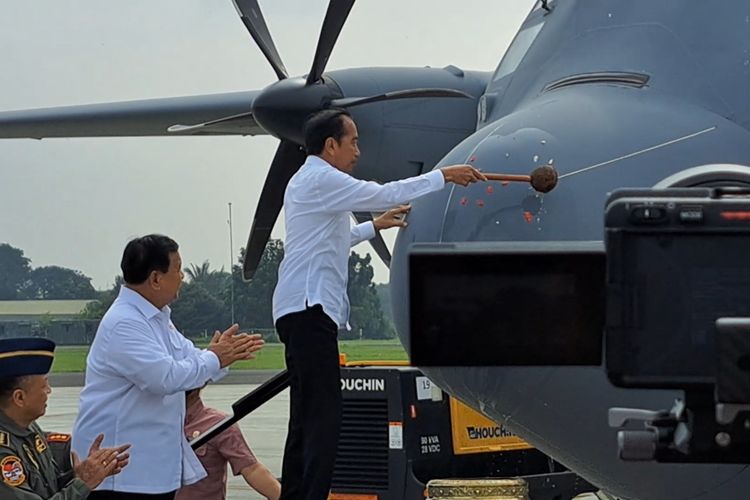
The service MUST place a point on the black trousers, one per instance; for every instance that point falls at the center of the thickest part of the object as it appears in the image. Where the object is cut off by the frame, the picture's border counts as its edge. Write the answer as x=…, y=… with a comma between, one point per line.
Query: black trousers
x=118, y=495
x=312, y=358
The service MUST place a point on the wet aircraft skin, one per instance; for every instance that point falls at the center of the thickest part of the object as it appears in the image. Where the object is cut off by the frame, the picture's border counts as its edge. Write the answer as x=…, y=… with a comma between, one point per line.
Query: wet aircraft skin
x=599, y=136
x=563, y=411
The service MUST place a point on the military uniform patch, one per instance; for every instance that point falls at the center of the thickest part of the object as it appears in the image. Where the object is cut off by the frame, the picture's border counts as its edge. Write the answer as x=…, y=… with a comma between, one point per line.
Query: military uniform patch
x=12, y=470
x=40, y=444
x=4, y=440
x=58, y=438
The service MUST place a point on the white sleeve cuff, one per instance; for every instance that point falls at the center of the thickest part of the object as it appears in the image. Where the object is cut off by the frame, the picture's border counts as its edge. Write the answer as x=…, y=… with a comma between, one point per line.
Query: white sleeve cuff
x=368, y=230
x=223, y=372
x=436, y=178
x=362, y=232
x=215, y=371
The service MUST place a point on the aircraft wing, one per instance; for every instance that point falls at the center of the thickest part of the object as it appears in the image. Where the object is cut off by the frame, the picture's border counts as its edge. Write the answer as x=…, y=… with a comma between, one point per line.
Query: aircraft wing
x=214, y=114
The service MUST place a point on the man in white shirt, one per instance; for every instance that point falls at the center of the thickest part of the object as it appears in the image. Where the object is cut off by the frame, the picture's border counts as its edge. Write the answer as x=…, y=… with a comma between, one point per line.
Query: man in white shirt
x=138, y=370
x=310, y=302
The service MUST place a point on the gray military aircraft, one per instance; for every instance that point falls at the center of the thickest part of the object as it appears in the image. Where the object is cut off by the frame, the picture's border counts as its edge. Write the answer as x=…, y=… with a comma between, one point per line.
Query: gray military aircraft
x=612, y=93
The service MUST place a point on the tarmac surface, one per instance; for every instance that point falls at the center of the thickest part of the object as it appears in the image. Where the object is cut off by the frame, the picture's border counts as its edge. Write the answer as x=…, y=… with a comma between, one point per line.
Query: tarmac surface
x=265, y=429
x=233, y=377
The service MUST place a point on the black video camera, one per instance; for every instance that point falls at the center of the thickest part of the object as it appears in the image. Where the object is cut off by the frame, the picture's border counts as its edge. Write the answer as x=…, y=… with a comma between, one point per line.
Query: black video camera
x=666, y=299
x=678, y=316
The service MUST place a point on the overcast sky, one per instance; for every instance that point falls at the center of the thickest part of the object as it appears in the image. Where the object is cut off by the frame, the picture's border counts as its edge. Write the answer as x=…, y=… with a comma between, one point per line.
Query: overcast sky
x=76, y=202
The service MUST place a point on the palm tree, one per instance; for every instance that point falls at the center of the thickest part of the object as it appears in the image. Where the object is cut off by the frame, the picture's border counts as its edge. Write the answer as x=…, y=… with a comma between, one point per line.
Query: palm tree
x=214, y=282
x=198, y=274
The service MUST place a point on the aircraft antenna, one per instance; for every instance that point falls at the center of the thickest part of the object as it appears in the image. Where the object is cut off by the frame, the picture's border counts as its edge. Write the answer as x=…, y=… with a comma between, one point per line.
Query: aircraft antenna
x=231, y=262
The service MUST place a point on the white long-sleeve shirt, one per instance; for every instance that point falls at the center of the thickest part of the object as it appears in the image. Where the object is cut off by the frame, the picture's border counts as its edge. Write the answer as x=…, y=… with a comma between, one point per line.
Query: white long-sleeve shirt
x=137, y=371
x=318, y=203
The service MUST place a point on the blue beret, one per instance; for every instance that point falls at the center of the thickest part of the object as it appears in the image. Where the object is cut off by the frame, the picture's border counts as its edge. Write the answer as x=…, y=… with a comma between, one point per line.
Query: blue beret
x=26, y=356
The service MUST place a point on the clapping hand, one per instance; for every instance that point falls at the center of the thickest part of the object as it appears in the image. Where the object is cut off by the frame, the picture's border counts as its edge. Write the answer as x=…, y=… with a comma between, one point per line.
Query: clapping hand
x=100, y=463
x=230, y=345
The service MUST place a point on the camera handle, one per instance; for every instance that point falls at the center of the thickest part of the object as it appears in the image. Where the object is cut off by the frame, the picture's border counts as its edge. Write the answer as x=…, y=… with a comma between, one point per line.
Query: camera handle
x=711, y=423
x=662, y=430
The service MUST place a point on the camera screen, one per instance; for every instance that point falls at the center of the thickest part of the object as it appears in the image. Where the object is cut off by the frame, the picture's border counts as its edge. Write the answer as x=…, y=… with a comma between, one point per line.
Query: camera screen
x=506, y=307
x=671, y=290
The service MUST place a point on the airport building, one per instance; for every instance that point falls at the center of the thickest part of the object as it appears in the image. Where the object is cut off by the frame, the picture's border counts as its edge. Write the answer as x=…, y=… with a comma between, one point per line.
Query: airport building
x=58, y=320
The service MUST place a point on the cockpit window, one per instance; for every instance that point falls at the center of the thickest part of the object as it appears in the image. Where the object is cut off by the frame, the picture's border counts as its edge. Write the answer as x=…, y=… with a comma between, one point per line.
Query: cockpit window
x=519, y=46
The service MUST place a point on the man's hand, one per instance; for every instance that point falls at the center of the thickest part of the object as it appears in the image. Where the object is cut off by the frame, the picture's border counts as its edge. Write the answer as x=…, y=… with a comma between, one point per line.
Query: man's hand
x=100, y=463
x=392, y=218
x=230, y=346
x=462, y=174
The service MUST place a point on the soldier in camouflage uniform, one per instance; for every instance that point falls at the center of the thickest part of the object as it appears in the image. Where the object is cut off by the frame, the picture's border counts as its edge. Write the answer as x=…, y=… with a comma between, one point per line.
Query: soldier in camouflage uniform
x=35, y=465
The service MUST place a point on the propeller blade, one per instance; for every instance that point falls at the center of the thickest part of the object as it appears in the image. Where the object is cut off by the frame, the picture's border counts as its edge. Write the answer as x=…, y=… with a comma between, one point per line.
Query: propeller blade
x=238, y=121
x=348, y=102
x=252, y=17
x=378, y=243
x=150, y=117
x=338, y=11
x=288, y=159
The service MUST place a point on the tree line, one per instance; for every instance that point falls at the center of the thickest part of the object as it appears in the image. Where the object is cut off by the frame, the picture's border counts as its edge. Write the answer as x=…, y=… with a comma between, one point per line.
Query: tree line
x=19, y=281
x=205, y=302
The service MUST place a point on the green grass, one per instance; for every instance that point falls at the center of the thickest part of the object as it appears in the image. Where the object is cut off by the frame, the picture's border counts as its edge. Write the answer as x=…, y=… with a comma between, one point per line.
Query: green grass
x=271, y=357
x=70, y=359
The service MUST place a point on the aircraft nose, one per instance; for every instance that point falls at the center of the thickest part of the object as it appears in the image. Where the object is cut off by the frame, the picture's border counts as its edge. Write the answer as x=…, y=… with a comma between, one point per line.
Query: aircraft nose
x=486, y=210
x=626, y=138
x=492, y=210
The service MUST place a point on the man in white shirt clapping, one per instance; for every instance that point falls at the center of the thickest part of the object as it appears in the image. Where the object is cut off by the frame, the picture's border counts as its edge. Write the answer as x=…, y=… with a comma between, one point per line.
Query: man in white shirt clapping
x=310, y=302
x=138, y=370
